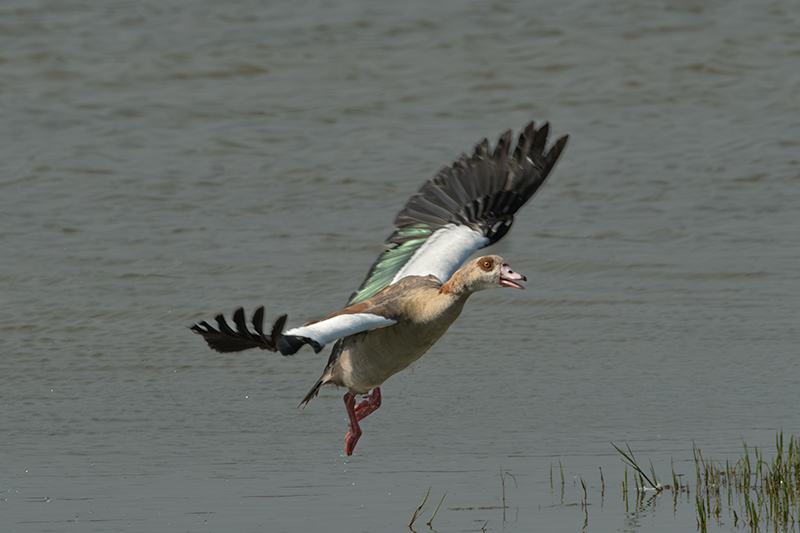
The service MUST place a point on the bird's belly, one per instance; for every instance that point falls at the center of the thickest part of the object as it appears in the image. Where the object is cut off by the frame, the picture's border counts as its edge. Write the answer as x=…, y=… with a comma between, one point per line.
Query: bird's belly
x=369, y=360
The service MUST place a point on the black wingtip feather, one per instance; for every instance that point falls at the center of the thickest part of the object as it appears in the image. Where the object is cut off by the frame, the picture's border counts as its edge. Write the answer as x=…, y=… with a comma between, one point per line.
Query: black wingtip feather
x=225, y=339
x=487, y=186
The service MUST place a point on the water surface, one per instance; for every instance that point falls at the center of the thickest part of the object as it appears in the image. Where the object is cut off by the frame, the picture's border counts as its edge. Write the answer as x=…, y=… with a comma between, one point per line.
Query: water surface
x=165, y=161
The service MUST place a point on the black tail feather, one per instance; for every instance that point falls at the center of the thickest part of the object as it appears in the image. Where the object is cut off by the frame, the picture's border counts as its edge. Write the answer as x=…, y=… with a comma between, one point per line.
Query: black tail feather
x=312, y=393
x=226, y=339
x=326, y=374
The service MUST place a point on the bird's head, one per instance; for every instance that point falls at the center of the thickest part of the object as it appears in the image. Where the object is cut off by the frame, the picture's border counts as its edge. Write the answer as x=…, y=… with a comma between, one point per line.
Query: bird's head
x=491, y=272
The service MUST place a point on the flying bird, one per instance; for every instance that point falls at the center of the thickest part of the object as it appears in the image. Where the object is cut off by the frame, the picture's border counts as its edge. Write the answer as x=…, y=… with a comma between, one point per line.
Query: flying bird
x=417, y=287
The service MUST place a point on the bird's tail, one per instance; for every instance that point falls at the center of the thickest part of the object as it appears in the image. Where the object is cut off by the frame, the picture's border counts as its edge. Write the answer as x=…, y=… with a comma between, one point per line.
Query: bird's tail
x=327, y=375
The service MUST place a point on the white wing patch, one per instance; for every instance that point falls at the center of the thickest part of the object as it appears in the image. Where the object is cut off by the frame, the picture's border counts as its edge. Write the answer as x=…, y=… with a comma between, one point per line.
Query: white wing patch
x=443, y=253
x=340, y=326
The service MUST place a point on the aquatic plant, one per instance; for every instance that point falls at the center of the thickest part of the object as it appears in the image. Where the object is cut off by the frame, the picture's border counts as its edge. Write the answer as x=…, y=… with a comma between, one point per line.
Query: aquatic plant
x=757, y=494
x=418, y=511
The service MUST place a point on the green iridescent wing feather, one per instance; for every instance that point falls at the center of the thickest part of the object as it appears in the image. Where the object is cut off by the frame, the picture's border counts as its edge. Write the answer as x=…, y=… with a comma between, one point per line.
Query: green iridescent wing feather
x=391, y=261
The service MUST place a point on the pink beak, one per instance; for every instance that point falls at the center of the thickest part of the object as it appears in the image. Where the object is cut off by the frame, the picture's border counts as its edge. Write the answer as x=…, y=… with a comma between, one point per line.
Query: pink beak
x=509, y=278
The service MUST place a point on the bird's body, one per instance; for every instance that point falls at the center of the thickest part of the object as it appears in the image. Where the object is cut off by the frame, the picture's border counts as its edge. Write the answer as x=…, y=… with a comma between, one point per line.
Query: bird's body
x=423, y=308
x=365, y=360
x=416, y=290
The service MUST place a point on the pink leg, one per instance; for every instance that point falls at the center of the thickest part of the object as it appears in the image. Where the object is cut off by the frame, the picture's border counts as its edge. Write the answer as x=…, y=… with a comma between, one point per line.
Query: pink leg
x=354, y=433
x=369, y=404
x=356, y=412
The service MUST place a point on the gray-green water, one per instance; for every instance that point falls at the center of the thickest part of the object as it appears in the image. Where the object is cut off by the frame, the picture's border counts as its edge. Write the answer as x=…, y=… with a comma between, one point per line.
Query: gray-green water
x=164, y=161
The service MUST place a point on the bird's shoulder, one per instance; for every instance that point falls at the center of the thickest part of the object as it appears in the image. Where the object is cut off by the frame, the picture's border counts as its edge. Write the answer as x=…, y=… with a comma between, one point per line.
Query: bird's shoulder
x=393, y=301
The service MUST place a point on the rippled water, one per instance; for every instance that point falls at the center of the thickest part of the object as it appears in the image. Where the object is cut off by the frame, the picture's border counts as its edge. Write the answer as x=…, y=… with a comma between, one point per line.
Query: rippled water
x=164, y=161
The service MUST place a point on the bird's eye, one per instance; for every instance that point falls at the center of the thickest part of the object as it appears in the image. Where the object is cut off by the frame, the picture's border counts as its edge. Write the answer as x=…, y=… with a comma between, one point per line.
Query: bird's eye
x=487, y=264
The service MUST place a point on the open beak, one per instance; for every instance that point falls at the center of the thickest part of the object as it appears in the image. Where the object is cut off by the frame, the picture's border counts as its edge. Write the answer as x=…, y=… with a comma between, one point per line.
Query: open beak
x=509, y=278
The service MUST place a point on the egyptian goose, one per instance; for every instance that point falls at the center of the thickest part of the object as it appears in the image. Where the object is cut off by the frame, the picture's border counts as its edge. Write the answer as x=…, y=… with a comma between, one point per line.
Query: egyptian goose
x=415, y=290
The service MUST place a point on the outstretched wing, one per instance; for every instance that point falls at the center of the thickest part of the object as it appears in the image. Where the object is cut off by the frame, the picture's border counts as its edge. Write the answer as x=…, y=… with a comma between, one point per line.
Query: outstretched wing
x=465, y=207
x=320, y=333
x=225, y=338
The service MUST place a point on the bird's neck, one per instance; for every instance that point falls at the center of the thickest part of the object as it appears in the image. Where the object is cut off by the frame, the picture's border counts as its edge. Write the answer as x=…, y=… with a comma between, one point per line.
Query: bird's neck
x=456, y=286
